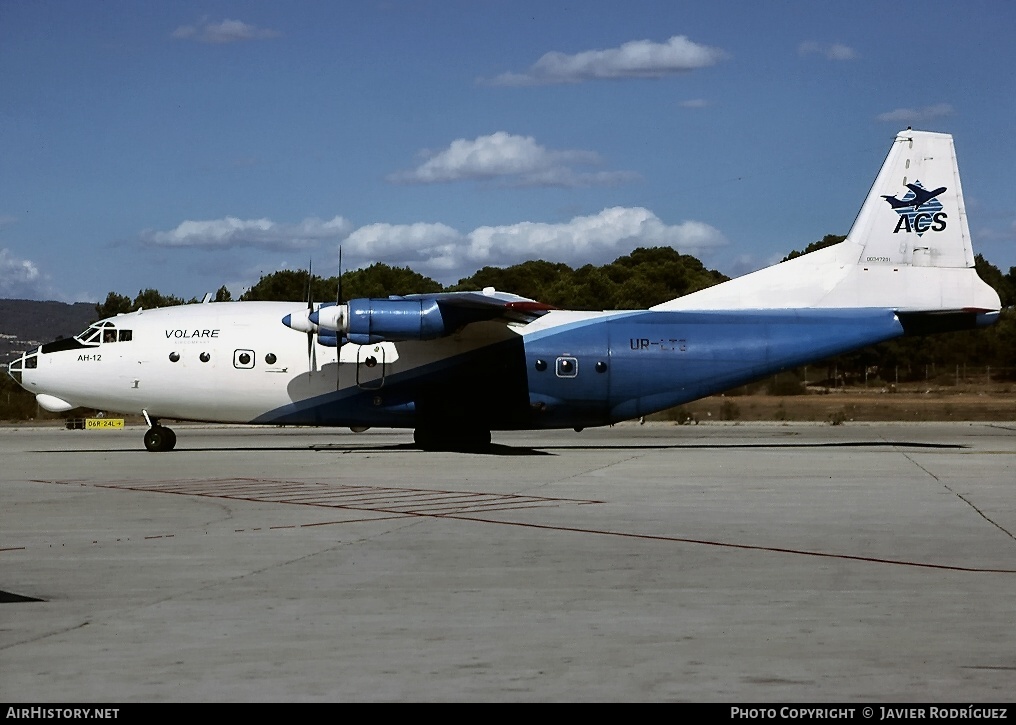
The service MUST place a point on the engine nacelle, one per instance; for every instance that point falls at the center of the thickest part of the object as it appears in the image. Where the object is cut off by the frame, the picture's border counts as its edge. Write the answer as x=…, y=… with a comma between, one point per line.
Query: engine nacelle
x=366, y=321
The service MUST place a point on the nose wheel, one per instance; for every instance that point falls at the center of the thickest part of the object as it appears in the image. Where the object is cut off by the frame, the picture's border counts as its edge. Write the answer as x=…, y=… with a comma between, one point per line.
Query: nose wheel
x=160, y=438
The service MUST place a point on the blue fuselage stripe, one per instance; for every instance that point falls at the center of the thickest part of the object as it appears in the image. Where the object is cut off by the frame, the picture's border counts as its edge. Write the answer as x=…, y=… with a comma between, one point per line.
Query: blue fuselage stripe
x=611, y=367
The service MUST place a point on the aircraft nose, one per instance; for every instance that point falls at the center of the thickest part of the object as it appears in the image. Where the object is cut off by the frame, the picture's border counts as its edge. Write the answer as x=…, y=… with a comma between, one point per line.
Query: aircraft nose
x=17, y=367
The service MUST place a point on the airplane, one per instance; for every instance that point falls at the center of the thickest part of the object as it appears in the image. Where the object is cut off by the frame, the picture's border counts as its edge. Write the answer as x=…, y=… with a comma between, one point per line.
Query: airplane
x=455, y=366
x=921, y=196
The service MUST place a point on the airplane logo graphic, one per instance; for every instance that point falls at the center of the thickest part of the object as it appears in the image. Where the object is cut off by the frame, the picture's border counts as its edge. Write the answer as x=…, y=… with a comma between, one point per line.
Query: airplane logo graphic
x=918, y=197
x=917, y=208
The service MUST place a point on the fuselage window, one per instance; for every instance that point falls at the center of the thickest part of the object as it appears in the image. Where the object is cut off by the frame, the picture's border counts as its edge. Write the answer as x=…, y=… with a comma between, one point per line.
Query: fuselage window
x=204, y=357
x=270, y=358
x=126, y=335
x=243, y=359
x=567, y=367
x=174, y=357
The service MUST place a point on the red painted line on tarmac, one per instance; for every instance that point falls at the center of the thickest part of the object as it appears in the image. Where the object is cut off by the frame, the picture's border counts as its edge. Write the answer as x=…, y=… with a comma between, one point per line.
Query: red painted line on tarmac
x=747, y=547
x=394, y=503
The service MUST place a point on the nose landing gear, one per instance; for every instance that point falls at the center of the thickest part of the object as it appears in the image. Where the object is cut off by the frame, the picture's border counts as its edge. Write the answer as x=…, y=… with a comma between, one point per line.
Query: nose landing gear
x=158, y=437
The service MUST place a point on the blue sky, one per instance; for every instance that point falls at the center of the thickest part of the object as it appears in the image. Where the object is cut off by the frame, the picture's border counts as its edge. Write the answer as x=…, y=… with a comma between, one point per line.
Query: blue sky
x=187, y=145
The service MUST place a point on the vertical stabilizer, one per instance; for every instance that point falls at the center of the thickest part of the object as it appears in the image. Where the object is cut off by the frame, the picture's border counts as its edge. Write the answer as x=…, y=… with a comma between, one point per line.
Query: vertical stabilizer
x=908, y=249
x=914, y=214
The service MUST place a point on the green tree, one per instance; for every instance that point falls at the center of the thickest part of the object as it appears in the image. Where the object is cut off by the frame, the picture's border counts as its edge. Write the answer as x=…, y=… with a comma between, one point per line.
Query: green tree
x=827, y=241
x=148, y=299
x=587, y=288
x=647, y=276
x=651, y=275
x=383, y=280
x=534, y=279
x=114, y=305
x=287, y=285
x=1004, y=284
x=377, y=280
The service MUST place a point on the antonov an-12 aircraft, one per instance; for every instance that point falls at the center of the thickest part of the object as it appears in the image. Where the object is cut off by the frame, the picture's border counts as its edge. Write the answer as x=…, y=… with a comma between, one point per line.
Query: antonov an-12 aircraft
x=456, y=366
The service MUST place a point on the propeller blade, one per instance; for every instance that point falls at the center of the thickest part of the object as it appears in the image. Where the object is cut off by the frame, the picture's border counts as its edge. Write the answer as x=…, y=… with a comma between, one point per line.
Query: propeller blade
x=311, y=361
x=310, y=283
x=339, y=340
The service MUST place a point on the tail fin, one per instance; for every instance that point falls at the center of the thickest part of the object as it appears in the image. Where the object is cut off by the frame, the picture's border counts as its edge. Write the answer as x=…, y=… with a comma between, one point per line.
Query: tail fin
x=908, y=250
x=892, y=231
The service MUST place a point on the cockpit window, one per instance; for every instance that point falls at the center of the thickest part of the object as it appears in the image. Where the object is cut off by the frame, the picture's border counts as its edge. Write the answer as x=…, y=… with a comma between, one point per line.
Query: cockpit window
x=90, y=336
x=104, y=332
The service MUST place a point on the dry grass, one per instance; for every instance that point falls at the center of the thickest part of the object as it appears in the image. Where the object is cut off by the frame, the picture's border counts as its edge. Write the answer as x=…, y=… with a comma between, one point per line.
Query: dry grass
x=916, y=403
x=983, y=402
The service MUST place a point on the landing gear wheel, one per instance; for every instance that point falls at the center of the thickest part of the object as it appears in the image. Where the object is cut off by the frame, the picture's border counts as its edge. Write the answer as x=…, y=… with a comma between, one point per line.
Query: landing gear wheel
x=159, y=438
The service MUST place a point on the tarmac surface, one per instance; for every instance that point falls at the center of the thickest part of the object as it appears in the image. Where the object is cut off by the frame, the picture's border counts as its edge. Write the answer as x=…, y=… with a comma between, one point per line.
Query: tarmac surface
x=713, y=563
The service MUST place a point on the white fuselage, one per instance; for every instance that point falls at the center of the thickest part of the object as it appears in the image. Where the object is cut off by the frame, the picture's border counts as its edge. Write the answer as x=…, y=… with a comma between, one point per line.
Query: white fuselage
x=228, y=362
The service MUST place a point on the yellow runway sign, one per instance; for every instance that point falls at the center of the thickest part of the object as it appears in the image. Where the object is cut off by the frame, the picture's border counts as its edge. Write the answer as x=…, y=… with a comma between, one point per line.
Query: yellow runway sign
x=101, y=423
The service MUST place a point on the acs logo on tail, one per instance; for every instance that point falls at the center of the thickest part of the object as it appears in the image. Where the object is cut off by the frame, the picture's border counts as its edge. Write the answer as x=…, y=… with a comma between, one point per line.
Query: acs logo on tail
x=919, y=210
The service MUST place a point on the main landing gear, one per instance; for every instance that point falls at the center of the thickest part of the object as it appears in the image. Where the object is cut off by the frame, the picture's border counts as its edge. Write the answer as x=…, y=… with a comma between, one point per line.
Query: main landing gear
x=158, y=437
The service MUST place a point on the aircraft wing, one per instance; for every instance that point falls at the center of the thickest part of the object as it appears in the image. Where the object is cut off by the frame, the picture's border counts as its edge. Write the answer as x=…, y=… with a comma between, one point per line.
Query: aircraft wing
x=414, y=317
x=462, y=308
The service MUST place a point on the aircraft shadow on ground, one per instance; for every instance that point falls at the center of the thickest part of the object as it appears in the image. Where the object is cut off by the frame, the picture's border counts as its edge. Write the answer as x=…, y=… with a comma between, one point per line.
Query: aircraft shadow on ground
x=497, y=449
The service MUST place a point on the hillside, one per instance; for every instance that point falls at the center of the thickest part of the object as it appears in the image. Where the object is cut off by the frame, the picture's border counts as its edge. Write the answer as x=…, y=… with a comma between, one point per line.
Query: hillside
x=25, y=324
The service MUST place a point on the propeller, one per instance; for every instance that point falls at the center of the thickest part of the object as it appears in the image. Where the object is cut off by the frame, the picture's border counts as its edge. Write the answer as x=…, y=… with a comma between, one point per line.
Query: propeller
x=307, y=322
x=338, y=347
x=324, y=323
x=311, y=351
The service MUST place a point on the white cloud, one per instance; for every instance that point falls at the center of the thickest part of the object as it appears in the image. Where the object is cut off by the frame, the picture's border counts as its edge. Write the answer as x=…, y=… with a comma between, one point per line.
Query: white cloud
x=635, y=59
x=831, y=51
x=695, y=103
x=21, y=279
x=837, y=51
x=432, y=246
x=917, y=115
x=227, y=31
x=264, y=233
x=447, y=255
x=596, y=238
x=516, y=160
